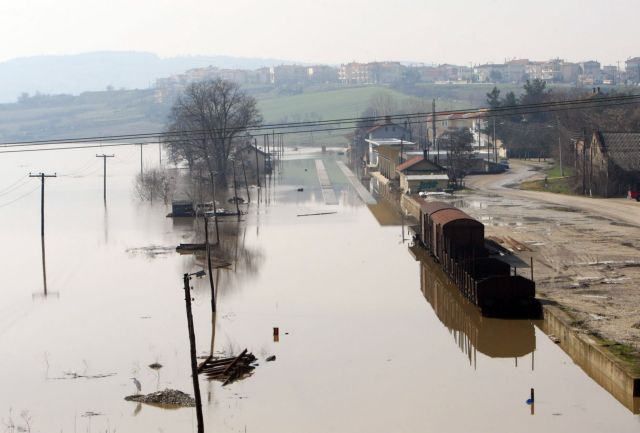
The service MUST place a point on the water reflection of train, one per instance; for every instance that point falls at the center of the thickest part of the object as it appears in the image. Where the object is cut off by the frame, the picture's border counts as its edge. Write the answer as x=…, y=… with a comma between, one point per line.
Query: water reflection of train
x=457, y=243
x=496, y=338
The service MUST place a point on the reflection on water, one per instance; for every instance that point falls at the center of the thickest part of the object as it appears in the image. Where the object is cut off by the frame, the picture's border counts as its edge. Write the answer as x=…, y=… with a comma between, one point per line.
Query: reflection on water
x=496, y=338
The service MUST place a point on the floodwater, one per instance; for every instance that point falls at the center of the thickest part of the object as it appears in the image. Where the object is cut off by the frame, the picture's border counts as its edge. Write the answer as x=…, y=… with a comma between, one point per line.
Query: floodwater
x=370, y=339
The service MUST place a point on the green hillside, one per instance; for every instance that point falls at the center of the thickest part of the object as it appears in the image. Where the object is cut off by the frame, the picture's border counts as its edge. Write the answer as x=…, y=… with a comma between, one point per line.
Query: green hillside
x=331, y=104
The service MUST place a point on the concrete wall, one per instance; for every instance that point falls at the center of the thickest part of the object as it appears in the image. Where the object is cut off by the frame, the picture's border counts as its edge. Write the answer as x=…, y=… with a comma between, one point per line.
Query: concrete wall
x=410, y=206
x=607, y=370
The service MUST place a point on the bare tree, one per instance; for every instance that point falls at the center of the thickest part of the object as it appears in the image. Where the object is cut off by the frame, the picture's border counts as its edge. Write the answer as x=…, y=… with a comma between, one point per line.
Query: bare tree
x=154, y=184
x=458, y=145
x=206, y=120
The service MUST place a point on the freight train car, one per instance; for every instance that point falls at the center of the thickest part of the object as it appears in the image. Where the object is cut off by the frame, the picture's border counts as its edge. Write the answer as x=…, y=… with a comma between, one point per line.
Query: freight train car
x=456, y=241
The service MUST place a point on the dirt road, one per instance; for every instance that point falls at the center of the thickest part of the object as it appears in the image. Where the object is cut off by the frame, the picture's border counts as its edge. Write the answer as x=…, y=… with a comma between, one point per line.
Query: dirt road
x=586, y=251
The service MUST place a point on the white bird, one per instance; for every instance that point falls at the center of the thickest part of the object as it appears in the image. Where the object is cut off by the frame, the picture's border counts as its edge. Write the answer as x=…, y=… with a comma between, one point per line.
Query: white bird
x=136, y=382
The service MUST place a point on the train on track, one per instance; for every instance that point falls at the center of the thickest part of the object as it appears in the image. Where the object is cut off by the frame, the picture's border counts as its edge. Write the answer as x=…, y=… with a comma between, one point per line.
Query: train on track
x=456, y=241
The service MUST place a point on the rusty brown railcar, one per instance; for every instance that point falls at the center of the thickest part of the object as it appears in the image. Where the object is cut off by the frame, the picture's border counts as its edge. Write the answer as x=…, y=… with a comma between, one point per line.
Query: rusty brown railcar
x=456, y=241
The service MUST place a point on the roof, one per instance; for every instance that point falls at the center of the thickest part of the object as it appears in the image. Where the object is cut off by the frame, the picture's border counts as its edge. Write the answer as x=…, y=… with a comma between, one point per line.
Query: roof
x=389, y=142
x=252, y=148
x=417, y=160
x=409, y=163
x=622, y=148
x=429, y=207
x=447, y=216
x=427, y=177
x=375, y=128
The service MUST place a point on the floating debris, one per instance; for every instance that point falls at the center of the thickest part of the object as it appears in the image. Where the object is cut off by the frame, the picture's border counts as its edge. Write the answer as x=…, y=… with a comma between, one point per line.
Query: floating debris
x=150, y=251
x=169, y=397
x=155, y=366
x=229, y=369
x=318, y=213
x=271, y=358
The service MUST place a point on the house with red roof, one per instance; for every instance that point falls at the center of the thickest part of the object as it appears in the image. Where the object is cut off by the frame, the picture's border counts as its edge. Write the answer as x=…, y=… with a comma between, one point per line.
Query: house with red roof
x=421, y=174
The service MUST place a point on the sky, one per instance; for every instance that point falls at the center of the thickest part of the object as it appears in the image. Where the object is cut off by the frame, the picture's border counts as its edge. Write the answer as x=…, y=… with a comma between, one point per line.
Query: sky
x=327, y=31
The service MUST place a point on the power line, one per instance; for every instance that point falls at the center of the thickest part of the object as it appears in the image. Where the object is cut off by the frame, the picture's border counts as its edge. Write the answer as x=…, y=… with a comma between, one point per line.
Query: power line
x=417, y=117
x=20, y=197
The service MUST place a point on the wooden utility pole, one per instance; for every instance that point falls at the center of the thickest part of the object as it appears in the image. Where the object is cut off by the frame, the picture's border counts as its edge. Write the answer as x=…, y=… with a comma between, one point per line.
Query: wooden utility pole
x=235, y=188
x=104, y=174
x=495, y=143
x=215, y=208
x=44, y=267
x=246, y=184
x=559, y=146
x=255, y=144
x=42, y=177
x=141, y=160
x=206, y=239
x=192, y=347
x=160, y=152
x=433, y=131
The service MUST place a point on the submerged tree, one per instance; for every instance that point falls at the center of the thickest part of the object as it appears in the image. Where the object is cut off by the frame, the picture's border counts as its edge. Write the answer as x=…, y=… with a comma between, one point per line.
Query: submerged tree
x=206, y=122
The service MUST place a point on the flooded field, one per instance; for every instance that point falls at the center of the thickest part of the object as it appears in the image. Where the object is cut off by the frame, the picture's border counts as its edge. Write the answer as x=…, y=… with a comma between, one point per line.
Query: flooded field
x=370, y=339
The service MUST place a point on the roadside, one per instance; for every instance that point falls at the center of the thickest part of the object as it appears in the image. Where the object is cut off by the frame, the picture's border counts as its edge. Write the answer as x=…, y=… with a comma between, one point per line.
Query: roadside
x=585, y=250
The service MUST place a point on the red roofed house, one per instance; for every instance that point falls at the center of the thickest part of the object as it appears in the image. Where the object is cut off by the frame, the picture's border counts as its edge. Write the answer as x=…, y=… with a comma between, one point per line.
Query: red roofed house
x=421, y=174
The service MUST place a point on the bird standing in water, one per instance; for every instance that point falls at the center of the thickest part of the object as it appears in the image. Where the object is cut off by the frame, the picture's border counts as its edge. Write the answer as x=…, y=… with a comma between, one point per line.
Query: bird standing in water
x=136, y=382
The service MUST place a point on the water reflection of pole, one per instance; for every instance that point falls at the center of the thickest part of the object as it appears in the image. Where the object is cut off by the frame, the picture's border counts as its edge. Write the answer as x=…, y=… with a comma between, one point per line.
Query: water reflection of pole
x=44, y=268
x=104, y=174
x=192, y=347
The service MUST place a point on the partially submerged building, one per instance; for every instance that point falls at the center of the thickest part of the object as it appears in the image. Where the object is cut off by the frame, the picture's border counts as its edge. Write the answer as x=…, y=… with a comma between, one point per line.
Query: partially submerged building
x=421, y=174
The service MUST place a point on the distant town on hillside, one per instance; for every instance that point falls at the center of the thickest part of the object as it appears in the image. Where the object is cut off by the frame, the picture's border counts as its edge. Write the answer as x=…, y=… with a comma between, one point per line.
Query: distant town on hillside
x=585, y=73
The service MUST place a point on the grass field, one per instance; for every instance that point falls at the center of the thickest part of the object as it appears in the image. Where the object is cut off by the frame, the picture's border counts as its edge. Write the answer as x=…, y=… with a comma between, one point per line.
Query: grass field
x=331, y=104
x=554, y=182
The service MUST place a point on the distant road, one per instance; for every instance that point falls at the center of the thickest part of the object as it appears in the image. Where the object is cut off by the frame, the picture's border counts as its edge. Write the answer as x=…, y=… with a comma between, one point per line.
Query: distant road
x=619, y=209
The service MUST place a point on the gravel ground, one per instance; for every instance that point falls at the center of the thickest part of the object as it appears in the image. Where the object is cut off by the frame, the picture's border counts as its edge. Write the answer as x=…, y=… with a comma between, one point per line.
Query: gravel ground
x=586, y=251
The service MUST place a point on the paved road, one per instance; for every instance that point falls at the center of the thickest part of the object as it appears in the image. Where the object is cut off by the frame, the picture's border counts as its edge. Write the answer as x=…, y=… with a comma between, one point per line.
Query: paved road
x=615, y=208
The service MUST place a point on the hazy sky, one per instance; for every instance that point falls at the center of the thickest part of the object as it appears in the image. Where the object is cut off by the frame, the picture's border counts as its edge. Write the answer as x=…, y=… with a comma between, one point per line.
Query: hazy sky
x=327, y=31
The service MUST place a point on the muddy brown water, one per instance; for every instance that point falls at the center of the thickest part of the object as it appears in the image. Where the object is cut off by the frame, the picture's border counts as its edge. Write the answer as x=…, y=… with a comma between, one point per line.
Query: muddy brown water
x=365, y=343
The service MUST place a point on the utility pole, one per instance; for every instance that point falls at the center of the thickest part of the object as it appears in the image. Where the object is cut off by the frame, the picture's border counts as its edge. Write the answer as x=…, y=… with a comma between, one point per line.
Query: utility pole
x=559, y=146
x=246, y=184
x=495, y=143
x=433, y=130
x=206, y=239
x=235, y=188
x=192, y=347
x=104, y=174
x=215, y=209
x=42, y=177
x=255, y=144
x=141, y=160
x=44, y=267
